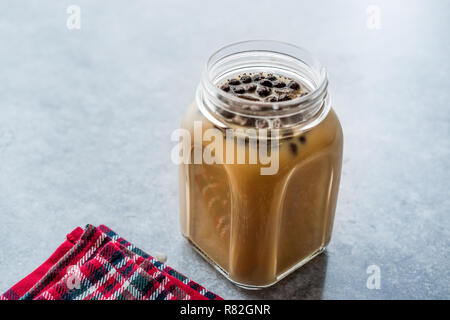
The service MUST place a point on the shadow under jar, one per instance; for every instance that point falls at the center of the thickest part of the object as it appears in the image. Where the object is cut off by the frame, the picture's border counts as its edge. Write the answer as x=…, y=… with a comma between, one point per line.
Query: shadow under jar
x=257, y=228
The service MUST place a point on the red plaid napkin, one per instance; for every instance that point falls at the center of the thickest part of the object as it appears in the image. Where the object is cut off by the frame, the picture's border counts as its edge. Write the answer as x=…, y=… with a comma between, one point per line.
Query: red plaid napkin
x=96, y=264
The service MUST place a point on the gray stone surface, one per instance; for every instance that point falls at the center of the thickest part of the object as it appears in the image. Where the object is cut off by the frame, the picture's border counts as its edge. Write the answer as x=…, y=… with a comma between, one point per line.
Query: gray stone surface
x=86, y=117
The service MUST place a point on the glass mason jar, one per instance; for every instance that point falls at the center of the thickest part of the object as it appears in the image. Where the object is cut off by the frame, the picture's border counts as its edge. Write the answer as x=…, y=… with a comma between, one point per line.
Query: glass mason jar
x=258, y=221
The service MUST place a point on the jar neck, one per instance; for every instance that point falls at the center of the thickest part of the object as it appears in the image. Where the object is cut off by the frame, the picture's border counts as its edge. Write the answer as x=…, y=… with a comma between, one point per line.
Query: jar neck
x=267, y=57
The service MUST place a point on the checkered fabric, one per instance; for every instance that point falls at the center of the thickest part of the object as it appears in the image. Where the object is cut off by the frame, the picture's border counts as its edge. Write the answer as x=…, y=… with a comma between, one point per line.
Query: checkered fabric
x=97, y=264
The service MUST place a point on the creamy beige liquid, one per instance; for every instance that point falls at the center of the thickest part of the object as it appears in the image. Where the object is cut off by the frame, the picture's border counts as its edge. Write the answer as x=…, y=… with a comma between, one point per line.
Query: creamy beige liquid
x=256, y=227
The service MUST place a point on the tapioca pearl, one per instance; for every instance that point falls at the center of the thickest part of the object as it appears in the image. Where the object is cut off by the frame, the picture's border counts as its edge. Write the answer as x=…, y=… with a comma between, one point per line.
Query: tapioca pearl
x=246, y=79
x=294, y=148
x=250, y=87
x=279, y=87
x=261, y=123
x=258, y=77
x=251, y=122
x=240, y=120
x=284, y=97
x=225, y=88
x=266, y=83
x=226, y=114
x=302, y=139
x=279, y=84
x=263, y=91
x=161, y=257
x=293, y=85
x=244, y=121
x=277, y=124
x=239, y=90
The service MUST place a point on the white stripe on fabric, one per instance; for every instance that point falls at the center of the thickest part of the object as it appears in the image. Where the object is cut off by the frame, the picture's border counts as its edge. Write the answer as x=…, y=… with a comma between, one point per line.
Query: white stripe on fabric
x=126, y=285
x=91, y=250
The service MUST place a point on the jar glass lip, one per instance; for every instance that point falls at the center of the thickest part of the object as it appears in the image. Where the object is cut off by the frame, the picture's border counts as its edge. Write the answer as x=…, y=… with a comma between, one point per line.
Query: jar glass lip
x=280, y=48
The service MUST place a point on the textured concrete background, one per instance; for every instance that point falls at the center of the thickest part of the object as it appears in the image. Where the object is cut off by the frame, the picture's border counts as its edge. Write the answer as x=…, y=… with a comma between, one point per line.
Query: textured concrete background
x=86, y=117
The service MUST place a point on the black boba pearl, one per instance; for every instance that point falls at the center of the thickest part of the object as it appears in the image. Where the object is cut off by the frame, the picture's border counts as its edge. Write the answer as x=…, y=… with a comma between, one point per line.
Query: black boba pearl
x=261, y=123
x=294, y=85
x=266, y=83
x=225, y=88
x=273, y=99
x=226, y=114
x=302, y=139
x=239, y=90
x=284, y=97
x=234, y=82
x=294, y=148
x=271, y=78
x=263, y=91
x=258, y=77
x=246, y=79
x=279, y=84
x=250, y=122
x=250, y=87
